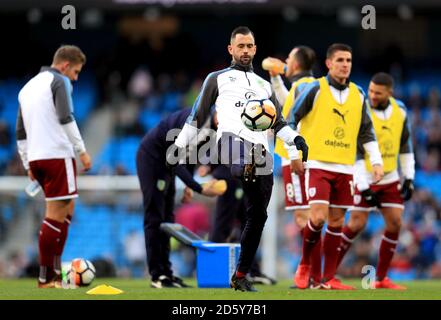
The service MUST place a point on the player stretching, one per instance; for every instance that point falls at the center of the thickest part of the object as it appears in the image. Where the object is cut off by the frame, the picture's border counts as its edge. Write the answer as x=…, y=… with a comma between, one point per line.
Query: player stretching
x=229, y=90
x=392, y=128
x=334, y=120
x=47, y=136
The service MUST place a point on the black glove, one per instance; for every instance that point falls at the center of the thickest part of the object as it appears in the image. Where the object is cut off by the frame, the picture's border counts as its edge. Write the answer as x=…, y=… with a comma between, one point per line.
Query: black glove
x=407, y=189
x=301, y=145
x=371, y=198
x=173, y=156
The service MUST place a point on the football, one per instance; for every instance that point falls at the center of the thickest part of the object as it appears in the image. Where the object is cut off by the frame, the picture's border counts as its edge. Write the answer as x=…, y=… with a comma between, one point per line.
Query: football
x=81, y=273
x=259, y=115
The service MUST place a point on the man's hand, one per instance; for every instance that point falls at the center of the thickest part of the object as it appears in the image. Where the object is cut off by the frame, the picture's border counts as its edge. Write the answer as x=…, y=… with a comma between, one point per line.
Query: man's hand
x=31, y=175
x=297, y=167
x=187, y=195
x=214, y=188
x=377, y=173
x=371, y=198
x=301, y=145
x=407, y=189
x=274, y=66
x=85, y=161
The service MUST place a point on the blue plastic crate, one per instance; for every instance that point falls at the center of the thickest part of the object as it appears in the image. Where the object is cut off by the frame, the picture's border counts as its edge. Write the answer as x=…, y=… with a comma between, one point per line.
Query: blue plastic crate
x=216, y=263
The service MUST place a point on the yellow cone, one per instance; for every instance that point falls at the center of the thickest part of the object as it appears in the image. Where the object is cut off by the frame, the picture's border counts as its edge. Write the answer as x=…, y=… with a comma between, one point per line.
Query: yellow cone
x=104, y=289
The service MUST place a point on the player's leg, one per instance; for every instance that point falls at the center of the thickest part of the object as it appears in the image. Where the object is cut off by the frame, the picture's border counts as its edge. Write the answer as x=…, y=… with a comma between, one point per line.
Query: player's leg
x=392, y=219
x=296, y=201
x=318, y=188
x=227, y=205
x=57, y=178
x=301, y=216
x=331, y=244
x=65, y=228
x=169, y=216
x=341, y=200
x=255, y=274
x=257, y=196
x=152, y=179
x=356, y=223
x=50, y=237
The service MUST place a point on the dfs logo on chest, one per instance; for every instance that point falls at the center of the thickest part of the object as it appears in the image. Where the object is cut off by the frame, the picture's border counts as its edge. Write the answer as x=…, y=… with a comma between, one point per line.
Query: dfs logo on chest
x=248, y=96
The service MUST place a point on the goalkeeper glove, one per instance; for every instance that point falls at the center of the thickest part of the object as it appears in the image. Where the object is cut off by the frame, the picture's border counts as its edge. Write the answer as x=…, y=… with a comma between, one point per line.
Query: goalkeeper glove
x=300, y=143
x=407, y=189
x=371, y=198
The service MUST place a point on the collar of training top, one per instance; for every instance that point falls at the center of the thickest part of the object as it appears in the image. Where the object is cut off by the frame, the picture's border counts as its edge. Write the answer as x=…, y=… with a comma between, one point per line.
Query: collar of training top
x=301, y=75
x=238, y=66
x=337, y=85
x=46, y=68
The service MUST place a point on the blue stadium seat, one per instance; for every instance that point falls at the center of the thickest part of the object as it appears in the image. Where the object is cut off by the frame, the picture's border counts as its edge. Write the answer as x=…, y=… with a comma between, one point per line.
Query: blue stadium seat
x=118, y=151
x=430, y=181
x=149, y=119
x=84, y=98
x=99, y=231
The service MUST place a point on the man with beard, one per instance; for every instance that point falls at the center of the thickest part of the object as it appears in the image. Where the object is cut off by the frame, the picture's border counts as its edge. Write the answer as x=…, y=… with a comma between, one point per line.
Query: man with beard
x=391, y=125
x=242, y=150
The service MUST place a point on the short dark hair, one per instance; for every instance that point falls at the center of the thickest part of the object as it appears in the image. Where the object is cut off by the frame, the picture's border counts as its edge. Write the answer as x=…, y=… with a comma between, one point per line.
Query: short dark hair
x=305, y=57
x=337, y=47
x=383, y=79
x=69, y=53
x=241, y=30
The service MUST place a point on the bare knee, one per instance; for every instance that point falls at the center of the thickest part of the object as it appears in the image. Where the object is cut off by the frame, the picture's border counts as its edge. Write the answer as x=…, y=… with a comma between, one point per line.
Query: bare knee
x=392, y=219
x=357, y=221
x=319, y=214
x=301, y=218
x=336, y=217
x=58, y=209
x=393, y=224
x=336, y=221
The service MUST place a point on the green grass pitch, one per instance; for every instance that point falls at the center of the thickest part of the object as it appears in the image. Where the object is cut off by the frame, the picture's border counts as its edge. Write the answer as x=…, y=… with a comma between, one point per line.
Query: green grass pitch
x=135, y=289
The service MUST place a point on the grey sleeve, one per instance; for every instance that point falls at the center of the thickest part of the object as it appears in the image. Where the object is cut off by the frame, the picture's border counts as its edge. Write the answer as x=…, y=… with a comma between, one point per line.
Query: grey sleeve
x=206, y=99
x=280, y=120
x=406, y=138
x=360, y=151
x=303, y=104
x=366, y=133
x=20, y=131
x=61, y=92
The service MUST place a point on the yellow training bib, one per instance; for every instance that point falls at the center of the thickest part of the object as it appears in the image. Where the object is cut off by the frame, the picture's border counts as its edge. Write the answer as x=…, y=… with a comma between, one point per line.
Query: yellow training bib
x=388, y=134
x=330, y=128
x=287, y=106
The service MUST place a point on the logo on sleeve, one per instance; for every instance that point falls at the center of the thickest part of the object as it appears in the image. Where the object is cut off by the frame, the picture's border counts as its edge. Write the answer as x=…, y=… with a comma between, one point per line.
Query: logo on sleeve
x=357, y=199
x=312, y=192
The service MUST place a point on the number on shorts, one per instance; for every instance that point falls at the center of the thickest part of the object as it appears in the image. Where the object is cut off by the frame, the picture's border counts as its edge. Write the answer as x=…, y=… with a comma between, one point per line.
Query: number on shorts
x=351, y=185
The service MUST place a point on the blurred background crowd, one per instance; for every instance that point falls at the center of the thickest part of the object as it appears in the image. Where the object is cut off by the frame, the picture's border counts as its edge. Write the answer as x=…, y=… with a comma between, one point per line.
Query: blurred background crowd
x=147, y=61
